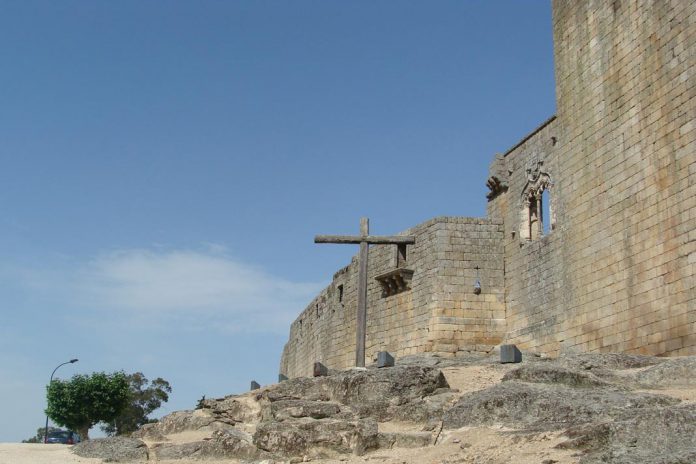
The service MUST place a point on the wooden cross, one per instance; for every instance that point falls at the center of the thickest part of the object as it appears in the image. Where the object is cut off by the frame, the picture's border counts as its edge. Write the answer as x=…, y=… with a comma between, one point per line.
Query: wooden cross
x=364, y=240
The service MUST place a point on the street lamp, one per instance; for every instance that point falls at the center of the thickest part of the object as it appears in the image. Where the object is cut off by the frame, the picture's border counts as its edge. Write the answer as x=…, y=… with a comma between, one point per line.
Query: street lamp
x=49, y=382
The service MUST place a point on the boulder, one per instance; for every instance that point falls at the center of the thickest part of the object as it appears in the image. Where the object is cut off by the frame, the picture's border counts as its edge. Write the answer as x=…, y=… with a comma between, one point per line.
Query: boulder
x=224, y=444
x=375, y=393
x=549, y=373
x=235, y=408
x=647, y=435
x=297, y=437
x=293, y=409
x=676, y=372
x=175, y=422
x=590, y=361
x=113, y=449
x=545, y=407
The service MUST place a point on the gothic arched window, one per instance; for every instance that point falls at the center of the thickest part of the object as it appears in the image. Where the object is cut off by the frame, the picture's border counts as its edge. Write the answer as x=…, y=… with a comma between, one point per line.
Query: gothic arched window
x=536, y=215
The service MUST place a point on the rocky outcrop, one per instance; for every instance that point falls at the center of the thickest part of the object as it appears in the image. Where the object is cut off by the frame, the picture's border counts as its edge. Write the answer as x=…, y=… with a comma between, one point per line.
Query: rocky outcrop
x=229, y=443
x=604, y=407
x=595, y=405
x=324, y=437
x=669, y=373
x=648, y=435
x=543, y=373
x=523, y=405
x=113, y=449
x=176, y=422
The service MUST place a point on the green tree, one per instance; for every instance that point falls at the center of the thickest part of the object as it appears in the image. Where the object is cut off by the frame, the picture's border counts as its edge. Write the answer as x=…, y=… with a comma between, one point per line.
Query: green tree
x=84, y=400
x=39, y=437
x=142, y=400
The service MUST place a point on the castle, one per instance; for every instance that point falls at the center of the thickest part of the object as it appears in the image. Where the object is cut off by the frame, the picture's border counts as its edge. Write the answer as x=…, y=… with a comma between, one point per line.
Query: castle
x=589, y=243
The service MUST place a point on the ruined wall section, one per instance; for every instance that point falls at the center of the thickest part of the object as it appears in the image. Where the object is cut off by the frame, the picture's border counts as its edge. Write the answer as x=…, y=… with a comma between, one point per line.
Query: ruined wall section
x=439, y=313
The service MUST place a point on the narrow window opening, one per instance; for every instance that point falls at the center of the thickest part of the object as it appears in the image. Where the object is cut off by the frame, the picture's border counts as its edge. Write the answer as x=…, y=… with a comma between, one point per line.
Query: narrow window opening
x=400, y=255
x=340, y=294
x=317, y=309
x=546, y=211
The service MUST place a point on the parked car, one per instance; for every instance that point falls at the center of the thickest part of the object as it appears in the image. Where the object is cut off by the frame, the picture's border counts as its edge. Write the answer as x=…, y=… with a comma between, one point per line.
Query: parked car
x=65, y=437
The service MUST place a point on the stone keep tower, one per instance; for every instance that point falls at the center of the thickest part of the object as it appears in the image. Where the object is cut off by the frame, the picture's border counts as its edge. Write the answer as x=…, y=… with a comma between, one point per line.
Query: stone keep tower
x=616, y=269
x=590, y=240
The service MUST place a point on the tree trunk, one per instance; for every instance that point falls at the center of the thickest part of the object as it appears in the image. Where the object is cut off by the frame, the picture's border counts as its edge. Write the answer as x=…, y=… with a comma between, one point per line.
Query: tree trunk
x=84, y=433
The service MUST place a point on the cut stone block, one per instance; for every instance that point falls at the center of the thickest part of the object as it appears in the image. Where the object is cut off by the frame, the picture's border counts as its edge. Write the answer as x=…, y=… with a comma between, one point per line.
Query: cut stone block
x=384, y=359
x=320, y=370
x=255, y=385
x=510, y=354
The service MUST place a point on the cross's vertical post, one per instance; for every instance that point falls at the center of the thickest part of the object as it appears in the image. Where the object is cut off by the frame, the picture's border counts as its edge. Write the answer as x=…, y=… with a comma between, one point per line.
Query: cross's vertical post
x=361, y=317
x=364, y=240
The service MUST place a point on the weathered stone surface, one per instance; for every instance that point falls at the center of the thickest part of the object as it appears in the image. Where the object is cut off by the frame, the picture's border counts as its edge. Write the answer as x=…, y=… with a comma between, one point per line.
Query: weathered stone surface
x=428, y=408
x=390, y=440
x=523, y=405
x=234, y=408
x=647, y=435
x=293, y=409
x=150, y=432
x=223, y=444
x=549, y=373
x=329, y=435
x=600, y=361
x=178, y=421
x=113, y=449
x=368, y=388
x=672, y=372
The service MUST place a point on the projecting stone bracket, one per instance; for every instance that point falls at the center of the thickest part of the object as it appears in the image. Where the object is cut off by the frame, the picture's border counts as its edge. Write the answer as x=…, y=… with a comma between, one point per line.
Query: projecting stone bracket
x=496, y=187
x=395, y=281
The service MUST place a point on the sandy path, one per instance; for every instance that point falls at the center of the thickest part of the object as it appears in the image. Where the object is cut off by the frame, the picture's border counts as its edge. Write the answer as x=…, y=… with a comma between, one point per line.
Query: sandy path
x=33, y=453
x=468, y=445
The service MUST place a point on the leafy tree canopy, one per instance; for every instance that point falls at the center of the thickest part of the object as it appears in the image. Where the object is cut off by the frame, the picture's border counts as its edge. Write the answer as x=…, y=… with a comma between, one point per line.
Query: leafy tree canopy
x=143, y=398
x=85, y=400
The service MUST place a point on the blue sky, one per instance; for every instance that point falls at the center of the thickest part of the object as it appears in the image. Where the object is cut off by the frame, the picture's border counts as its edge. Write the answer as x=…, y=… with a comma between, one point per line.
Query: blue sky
x=166, y=165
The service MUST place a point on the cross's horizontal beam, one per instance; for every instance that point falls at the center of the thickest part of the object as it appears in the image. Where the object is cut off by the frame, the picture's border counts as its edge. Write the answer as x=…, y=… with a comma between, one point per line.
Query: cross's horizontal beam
x=370, y=239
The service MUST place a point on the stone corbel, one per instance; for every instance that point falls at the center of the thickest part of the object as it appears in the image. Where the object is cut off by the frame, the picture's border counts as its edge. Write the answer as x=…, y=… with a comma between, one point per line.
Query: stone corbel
x=395, y=281
x=496, y=187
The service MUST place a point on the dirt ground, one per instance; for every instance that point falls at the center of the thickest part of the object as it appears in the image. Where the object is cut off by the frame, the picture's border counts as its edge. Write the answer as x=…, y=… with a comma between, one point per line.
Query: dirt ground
x=38, y=453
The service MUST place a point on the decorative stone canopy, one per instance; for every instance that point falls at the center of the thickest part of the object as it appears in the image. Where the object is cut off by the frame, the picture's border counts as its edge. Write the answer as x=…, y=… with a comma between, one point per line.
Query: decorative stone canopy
x=395, y=281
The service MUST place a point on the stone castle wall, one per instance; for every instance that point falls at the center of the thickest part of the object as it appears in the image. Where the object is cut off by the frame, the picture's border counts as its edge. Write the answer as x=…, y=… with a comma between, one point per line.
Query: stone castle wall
x=431, y=316
x=617, y=273
x=616, y=268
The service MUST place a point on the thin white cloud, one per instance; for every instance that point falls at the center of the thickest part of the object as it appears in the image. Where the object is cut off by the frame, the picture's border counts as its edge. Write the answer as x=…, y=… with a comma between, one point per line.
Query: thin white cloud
x=201, y=287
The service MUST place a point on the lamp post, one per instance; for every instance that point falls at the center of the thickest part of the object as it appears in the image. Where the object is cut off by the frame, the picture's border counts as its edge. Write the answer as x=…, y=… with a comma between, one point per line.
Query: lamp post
x=49, y=382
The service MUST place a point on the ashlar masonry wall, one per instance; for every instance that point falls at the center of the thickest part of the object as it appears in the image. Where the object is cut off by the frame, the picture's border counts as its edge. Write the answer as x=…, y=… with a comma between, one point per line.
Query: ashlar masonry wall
x=618, y=272
x=440, y=313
